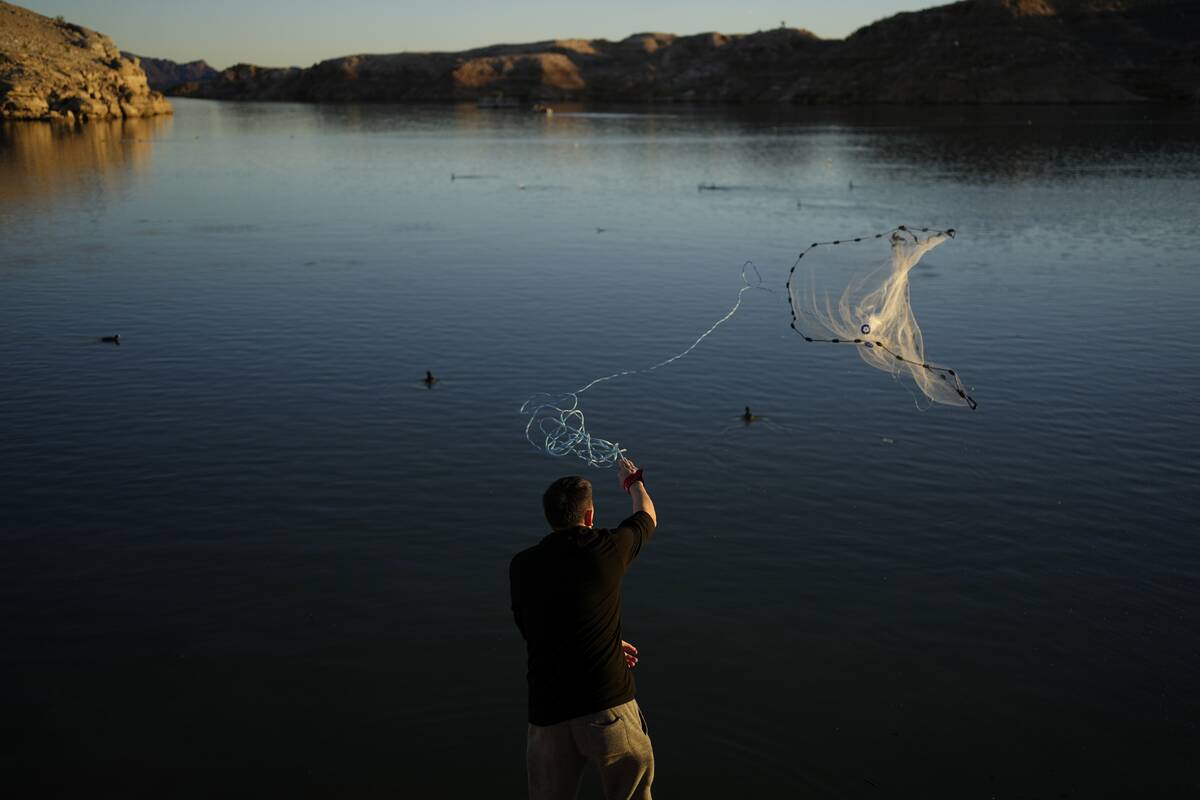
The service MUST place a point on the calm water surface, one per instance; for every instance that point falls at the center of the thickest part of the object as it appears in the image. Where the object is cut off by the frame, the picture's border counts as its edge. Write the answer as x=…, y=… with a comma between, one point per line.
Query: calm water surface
x=247, y=552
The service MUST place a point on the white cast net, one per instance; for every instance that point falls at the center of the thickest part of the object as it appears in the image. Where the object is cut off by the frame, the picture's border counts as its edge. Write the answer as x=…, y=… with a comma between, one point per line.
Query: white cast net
x=841, y=293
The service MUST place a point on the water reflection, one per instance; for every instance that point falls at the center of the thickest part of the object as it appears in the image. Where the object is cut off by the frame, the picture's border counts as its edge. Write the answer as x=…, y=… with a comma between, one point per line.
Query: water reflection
x=986, y=144
x=263, y=431
x=40, y=160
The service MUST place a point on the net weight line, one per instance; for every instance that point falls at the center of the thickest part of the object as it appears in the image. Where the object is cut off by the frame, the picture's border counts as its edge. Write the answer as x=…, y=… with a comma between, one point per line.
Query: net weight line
x=945, y=373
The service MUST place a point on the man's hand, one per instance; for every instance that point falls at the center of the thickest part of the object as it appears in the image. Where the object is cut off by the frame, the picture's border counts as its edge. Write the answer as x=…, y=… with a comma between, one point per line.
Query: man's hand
x=630, y=652
x=624, y=469
x=637, y=490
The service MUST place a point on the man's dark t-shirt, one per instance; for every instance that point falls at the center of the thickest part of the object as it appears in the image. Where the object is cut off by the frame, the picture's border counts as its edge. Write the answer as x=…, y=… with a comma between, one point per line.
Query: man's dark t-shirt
x=566, y=598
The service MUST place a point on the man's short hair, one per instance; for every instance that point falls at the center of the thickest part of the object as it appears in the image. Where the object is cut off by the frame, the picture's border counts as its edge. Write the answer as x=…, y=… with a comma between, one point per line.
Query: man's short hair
x=566, y=500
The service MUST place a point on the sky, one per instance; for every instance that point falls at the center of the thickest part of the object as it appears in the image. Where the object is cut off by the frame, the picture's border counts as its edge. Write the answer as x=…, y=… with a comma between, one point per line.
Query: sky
x=302, y=32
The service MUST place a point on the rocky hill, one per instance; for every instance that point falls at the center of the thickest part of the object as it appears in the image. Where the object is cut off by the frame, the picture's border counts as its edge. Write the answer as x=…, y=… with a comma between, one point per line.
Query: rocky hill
x=164, y=74
x=974, y=51
x=51, y=69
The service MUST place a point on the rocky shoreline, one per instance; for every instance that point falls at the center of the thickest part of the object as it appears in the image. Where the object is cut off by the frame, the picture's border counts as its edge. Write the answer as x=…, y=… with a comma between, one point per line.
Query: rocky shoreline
x=51, y=69
x=970, y=52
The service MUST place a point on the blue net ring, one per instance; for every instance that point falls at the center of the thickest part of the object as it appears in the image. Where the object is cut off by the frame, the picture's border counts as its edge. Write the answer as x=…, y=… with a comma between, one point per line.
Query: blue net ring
x=865, y=328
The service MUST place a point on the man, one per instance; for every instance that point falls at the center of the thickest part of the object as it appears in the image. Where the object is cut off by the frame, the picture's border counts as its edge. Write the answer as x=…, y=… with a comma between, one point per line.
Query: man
x=566, y=599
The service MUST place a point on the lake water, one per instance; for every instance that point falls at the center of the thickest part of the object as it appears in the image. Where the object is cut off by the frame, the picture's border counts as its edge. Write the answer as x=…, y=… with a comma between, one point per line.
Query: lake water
x=248, y=552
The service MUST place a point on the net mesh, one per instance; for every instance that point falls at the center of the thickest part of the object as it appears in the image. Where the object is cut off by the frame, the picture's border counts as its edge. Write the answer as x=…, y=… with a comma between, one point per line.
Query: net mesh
x=839, y=294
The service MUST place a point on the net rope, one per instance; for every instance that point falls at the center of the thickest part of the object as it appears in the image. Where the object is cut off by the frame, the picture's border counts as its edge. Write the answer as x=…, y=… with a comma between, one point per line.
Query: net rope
x=556, y=425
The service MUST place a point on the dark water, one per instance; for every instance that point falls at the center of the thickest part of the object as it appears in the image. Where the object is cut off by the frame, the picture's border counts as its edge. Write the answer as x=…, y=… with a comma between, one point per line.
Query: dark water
x=247, y=552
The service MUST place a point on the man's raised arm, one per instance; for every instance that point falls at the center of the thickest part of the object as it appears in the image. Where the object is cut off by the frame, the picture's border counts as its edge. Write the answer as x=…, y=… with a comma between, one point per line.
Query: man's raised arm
x=631, y=481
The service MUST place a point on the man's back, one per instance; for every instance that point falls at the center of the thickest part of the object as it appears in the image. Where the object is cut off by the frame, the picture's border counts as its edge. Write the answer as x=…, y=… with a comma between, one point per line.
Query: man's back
x=566, y=599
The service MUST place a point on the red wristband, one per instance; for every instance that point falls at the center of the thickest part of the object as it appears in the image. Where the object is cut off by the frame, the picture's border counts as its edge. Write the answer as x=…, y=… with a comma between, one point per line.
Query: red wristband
x=632, y=478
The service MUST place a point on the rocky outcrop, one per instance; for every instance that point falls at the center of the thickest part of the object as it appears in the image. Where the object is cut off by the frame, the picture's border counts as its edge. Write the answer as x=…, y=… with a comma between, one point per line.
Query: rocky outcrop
x=1022, y=51
x=974, y=51
x=51, y=69
x=164, y=74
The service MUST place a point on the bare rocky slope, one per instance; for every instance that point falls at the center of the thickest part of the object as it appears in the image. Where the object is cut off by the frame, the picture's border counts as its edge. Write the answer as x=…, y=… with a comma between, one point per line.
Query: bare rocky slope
x=51, y=69
x=975, y=51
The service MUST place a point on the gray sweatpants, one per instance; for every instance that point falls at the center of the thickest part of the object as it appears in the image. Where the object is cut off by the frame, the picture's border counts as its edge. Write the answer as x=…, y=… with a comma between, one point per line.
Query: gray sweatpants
x=616, y=740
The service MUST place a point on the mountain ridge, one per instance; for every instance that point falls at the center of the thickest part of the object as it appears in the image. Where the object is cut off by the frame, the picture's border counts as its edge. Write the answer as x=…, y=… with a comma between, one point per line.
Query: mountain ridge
x=968, y=52
x=164, y=74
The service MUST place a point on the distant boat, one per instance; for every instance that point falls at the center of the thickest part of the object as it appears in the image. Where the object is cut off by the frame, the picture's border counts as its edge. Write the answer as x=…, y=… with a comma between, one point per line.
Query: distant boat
x=542, y=108
x=498, y=101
